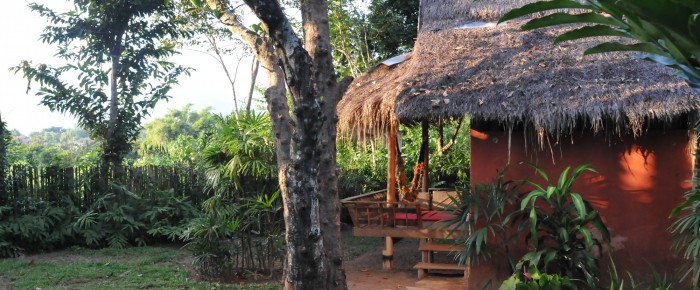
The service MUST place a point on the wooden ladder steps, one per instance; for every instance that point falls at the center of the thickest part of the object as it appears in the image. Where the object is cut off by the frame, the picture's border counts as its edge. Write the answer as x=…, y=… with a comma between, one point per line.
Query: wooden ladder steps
x=440, y=266
x=423, y=267
x=440, y=247
x=427, y=264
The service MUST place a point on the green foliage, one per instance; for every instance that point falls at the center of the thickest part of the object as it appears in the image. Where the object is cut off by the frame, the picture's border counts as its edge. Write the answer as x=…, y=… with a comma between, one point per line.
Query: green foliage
x=350, y=29
x=483, y=212
x=177, y=123
x=132, y=268
x=657, y=281
x=234, y=237
x=448, y=167
x=361, y=36
x=130, y=38
x=241, y=228
x=534, y=280
x=362, y=167
x=560, y=228
x=557, y=224
x=240, y=155
x=394, y=26
x=665, y=31
x=53, y=146
x=28, y=225
x=177, y=139
x=4, y=165
x=686, y=232
x=118, y=222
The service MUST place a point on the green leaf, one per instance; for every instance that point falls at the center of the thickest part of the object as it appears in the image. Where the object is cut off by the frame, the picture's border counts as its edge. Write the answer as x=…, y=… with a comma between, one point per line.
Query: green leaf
x=562, y=179
x=580, y=206
x=541, y=7
x=533, y=226
x=540, y=172
x=587, y=237
x=196, y=3
x=591, y=31
x=564, y=18
x=616, y=46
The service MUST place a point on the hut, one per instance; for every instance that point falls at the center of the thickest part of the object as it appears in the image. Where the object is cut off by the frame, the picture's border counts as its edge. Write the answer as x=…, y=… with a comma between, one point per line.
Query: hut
x=532, y=102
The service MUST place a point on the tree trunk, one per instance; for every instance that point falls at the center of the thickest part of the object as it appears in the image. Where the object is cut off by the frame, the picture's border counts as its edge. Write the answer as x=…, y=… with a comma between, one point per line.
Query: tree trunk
x=108, y=154
x=305, y=140
x=253, y=76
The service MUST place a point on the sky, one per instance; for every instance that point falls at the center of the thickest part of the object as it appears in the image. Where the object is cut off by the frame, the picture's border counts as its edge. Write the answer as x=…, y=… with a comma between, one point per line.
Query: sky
x=20, y=29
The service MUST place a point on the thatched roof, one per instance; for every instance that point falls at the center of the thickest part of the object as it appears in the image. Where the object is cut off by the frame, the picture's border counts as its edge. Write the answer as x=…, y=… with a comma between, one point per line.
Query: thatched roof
x=505, y=75
x=445, y=14
x=368, y=105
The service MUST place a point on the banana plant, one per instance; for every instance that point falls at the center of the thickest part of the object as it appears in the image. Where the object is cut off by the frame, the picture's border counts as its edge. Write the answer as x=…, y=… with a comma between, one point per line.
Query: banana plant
x=663, y=31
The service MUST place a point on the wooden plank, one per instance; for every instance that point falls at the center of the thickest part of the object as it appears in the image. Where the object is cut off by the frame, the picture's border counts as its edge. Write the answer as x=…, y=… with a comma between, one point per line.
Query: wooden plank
x=405, y=233
x=440, y=266
x=440, y=247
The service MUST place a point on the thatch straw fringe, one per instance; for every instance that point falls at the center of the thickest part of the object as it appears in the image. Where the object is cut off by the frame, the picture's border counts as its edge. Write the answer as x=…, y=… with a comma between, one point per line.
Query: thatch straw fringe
x=503, y=74
x=367, y=108
x=440, y=14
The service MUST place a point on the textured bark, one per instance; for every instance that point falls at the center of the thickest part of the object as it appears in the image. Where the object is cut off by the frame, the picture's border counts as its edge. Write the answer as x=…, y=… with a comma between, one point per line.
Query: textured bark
x=305, y=139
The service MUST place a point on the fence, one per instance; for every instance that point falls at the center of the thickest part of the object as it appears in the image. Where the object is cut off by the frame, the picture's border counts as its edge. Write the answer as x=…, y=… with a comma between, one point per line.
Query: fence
x=80, y=183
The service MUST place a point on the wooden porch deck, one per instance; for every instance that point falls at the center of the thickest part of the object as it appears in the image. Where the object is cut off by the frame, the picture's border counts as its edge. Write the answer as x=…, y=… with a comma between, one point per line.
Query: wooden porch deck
x=373, y=216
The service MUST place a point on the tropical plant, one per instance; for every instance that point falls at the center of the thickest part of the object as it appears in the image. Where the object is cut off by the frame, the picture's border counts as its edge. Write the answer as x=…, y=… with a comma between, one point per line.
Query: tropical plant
x=29, y=225
x=686, y=232
x=560, y=226
x=484, y=213
x=241, y=228
x=666, y=31
x=240, y=155
x=532, y=279
x=118, y=51
x=233, y=238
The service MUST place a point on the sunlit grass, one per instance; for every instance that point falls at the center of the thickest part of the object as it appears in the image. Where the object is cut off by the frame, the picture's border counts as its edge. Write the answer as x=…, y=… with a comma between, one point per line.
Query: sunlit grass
x=131, y=268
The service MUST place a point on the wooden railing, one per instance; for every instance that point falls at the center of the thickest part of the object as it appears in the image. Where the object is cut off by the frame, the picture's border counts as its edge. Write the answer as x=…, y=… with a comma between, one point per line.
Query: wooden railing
x=372, y=215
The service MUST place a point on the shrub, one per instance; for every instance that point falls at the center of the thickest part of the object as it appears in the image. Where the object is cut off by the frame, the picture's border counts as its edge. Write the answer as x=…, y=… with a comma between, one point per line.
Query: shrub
x=560, y=223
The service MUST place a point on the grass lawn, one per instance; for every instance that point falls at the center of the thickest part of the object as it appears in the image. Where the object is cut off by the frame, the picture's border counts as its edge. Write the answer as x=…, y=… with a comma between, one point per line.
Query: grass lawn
x=165, y=267
x=130, y=268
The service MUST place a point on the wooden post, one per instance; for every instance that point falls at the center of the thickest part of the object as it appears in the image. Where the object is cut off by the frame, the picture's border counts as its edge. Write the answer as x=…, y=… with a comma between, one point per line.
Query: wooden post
x=426, y=159
x=388, y=253
x=427, y=256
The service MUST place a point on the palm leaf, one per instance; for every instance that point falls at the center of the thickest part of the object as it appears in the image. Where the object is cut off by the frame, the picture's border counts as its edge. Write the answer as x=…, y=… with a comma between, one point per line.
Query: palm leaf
x=565, y=18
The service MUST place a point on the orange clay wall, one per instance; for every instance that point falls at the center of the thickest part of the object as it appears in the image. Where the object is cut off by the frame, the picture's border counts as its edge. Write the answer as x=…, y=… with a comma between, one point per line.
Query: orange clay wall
x=641, y=180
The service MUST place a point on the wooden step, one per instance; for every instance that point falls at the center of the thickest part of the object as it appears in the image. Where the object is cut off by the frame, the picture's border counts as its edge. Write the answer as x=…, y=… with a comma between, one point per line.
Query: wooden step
x=440, y=266
x=440, y=247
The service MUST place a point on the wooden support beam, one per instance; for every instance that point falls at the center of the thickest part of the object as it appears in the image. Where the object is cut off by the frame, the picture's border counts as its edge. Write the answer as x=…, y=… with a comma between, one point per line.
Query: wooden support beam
x=388, y=253
x=426, y=160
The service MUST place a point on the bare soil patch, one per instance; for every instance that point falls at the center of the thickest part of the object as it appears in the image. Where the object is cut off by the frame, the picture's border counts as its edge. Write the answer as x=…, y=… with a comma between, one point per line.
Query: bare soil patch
x=365, y=272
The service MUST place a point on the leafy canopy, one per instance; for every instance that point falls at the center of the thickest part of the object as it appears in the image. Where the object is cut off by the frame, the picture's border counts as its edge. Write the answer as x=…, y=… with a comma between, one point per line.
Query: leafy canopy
x=139, y=33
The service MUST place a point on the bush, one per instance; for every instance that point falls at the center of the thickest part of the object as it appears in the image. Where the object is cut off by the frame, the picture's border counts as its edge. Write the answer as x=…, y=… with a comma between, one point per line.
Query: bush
x=560, y=223
x=234, y=238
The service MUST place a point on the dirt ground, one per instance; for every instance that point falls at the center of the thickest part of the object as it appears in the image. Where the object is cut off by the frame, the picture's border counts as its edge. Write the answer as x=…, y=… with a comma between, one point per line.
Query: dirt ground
x=365, y=272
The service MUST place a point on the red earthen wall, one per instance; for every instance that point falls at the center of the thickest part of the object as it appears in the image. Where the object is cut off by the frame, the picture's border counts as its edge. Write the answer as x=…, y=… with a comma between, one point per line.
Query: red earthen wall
x=641, y=180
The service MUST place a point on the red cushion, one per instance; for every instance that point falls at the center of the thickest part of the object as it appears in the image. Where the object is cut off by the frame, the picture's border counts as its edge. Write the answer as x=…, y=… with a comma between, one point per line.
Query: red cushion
x=406, y=216
x=431, y=215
